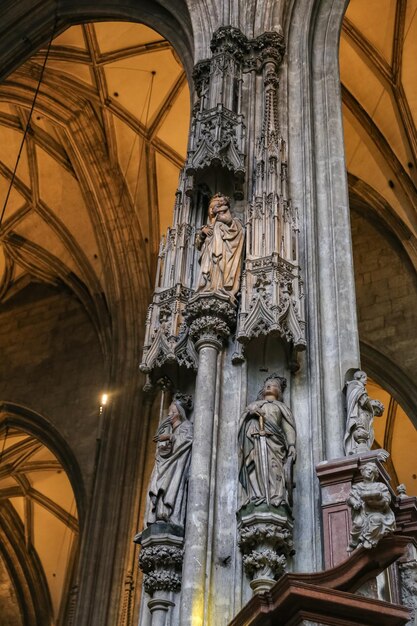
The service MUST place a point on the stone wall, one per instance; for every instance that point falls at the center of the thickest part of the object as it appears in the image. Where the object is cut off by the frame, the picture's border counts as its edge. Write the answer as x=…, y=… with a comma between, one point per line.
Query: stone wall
x=52, y=363
x=9, y=609
x=386, y=289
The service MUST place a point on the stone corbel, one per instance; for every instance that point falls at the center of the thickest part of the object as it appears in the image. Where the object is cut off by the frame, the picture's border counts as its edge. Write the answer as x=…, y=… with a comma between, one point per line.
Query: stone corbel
x=160, y=560
x=211, y=318
x=265, y=540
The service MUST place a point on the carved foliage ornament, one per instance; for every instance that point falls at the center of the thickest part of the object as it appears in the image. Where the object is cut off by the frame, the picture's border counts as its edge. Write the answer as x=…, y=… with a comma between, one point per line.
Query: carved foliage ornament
x=210, y=318
x=161, y=566
x=265, y=540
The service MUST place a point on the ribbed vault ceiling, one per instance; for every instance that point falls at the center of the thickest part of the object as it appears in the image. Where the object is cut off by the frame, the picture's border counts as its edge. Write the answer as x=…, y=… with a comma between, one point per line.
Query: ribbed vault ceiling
x=378, y=52
x=121, y=87
x=37, y=507
x=378, y=65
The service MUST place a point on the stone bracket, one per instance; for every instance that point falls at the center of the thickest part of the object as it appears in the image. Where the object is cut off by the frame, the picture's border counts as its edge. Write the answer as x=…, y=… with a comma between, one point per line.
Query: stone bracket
x=265, y=539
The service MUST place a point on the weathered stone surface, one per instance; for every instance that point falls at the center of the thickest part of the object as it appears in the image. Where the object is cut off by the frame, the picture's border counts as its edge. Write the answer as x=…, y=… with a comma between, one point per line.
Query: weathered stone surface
x=360, y=413
x=9, y=607
x=51, y=344
x=370, y=503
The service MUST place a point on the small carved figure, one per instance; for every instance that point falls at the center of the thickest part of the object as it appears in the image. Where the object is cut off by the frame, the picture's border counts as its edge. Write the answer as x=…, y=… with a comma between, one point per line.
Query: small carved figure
x=402, y=491
x=361, y=410
x=220, y=243
x=168, y=485
x=267, y=437
x=372, y=516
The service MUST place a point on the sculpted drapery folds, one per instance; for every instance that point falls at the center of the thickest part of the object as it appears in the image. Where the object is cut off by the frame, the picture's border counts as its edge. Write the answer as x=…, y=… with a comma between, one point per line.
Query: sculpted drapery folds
x=267, y=437
x=361, y=409
x=372, y=516
x=168, y=485
x=220, y=243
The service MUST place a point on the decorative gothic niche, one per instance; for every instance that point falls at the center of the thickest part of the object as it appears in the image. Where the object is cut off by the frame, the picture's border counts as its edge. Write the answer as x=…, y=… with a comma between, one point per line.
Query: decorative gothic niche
x=243, y=155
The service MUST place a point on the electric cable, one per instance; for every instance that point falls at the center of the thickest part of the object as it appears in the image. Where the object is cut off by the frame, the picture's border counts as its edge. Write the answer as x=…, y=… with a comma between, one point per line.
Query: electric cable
x=19, y=154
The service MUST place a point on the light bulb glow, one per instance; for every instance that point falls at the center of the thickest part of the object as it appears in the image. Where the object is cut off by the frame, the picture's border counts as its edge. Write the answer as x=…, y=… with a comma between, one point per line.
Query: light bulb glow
x=104, y=399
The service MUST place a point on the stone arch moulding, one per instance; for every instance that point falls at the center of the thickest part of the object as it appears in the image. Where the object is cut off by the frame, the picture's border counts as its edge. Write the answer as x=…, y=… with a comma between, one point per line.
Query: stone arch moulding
x=26, y=28
x=390, y=377
x=25, y=570
x=319, y=188
x=15, y=415
x=366, y=200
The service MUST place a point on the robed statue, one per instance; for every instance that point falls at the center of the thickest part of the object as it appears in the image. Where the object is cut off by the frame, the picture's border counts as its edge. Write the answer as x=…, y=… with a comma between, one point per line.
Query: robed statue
x=372, y=516
x=360, y=413
x=267, y=438
x=220, y=243
x=168, y=485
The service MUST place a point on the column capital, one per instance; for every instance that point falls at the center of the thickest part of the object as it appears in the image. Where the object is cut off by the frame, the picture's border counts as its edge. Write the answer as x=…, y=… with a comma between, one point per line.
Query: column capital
x=211, y=318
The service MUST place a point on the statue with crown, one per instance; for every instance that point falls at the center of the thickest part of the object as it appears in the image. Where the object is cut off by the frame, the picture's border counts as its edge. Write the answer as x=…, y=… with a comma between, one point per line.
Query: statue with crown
x=267, y=439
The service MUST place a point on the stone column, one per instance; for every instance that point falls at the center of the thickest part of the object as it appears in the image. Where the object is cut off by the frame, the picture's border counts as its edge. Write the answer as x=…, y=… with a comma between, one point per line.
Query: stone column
x=210, y=317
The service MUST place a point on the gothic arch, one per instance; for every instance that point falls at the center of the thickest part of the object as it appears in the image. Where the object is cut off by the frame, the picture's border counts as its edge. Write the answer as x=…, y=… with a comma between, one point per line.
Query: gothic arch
x=25, y=29
x=25, y=570
x=389, y=376
x=16, y=416
x=43, y=503
x=364, y=198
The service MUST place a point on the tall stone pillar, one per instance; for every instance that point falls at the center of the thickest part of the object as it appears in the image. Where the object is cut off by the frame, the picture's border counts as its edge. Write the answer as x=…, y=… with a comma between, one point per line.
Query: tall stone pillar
x=211, y=317
x=247, y=141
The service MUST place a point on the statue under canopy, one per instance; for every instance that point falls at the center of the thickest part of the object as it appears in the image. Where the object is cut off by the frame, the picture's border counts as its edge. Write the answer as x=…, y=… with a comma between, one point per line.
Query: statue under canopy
x=372, y=516
x=168, y=485
x=267, y=437
x=220, y=243
x=361, y=409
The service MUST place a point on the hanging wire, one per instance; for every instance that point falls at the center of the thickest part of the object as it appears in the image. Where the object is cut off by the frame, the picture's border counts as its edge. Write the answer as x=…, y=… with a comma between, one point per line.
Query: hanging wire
x=28, y=124
x=143, y=142
x=146, y=105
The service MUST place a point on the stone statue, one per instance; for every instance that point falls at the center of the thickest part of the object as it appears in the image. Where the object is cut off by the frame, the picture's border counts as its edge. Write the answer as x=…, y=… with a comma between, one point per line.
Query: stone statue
x=267, y=436
x=168, y=485
x=372, y=517
x=220, y=243
x=361, y=410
